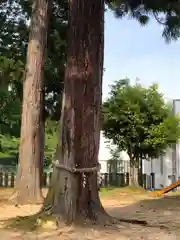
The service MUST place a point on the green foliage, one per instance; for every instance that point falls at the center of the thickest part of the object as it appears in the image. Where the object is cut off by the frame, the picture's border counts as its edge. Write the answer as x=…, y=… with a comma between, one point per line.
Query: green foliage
x=138, y=121
x=9, y=145
x=9, y=111
x=14, y=16
x=166, y=13
x=51, y=139
x=9, y=101
x=8, y=150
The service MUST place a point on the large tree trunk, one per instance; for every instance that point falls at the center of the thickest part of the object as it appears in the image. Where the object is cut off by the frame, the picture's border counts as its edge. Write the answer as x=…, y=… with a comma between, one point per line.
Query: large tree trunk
x=28, y=179
x=75, y=195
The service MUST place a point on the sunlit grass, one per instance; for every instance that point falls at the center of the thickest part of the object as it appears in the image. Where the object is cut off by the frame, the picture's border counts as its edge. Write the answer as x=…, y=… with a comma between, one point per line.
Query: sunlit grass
x=129, y=190
x=175, y=193
x=31, y=223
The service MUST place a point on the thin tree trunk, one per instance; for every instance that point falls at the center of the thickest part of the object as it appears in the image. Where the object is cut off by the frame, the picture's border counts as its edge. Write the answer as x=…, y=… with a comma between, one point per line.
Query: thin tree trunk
x=73, y=196
x=133, y=178
x=28, y=179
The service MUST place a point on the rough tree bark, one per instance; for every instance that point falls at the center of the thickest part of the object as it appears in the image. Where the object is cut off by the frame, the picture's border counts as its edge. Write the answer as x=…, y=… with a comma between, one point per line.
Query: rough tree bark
x=74, y=196
x=134, y=172
x=28, y=178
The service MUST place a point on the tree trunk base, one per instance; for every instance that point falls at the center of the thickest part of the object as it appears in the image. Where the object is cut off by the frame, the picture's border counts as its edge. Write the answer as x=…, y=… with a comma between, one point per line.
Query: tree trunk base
x=19, y=198
x=102, y=220
x=91, y=216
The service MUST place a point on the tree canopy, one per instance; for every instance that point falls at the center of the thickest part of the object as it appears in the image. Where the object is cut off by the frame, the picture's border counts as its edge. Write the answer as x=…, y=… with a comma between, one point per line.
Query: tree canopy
x=14, y=19
x=138, y=120
x=166, y=13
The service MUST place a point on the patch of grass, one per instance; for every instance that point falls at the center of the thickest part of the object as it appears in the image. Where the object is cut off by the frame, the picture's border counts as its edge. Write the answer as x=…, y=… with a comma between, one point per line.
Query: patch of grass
x=176, y=193
x=109, y=192
x=108, y=189
x=27, y=223
x=134, y=189
x=129, y=190
x=31, y=223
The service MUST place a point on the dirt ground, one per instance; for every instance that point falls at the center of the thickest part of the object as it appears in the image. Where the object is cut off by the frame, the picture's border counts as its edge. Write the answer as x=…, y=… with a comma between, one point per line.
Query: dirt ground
x=162, y=215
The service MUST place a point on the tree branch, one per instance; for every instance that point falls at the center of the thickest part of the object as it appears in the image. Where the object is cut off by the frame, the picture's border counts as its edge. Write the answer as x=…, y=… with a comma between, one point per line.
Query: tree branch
x=157, y=19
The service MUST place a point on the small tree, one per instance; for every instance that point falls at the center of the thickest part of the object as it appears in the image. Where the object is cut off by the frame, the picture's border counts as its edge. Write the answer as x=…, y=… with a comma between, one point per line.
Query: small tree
x=139, y=121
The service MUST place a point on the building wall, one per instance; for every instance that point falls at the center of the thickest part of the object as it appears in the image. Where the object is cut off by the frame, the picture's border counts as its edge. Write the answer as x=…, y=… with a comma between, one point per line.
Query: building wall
x=154, y=166
x=162, y=167
x=178, y=160
x=176, y=110
x=104, y=154
x=104, y=166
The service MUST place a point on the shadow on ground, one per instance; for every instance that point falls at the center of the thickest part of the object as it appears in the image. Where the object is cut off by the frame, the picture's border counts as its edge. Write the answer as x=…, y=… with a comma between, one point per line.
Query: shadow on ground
x=161, y=214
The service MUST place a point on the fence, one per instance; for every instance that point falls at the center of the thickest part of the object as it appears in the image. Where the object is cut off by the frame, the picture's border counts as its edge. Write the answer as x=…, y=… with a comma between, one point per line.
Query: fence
x=7, y=179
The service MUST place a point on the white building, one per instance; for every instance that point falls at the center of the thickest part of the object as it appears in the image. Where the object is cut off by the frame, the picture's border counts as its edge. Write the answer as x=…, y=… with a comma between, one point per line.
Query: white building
x=105, y=156
x=164, y=169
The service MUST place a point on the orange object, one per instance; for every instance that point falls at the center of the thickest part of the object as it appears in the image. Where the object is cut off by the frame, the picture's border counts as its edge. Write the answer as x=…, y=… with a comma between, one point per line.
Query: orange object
x=166, y=189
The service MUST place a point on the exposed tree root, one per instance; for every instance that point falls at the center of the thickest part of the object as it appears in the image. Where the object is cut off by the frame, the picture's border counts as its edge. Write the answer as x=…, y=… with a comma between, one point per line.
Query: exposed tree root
x=45, y=219
x=134, y=221
x=102, y=221
x=99, y=219
x=81, y=221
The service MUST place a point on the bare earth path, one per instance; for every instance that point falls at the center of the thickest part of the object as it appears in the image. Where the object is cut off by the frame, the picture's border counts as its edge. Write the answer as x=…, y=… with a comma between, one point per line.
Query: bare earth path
x=162, y=215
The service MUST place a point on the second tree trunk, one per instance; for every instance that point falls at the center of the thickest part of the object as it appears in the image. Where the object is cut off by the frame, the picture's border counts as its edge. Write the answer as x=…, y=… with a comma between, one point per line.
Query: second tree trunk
x=28, y=181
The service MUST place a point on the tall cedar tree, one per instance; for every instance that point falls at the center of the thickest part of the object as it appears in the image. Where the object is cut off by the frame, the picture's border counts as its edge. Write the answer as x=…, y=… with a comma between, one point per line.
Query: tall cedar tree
x=31, y=155
x=75, y=196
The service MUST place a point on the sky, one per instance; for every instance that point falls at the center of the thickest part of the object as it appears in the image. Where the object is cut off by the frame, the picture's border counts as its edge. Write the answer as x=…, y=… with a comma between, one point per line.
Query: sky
x=136, y=51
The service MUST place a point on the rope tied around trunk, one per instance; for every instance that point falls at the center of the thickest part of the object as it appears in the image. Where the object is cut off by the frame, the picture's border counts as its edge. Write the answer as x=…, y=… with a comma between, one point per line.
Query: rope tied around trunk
x=77, y=170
